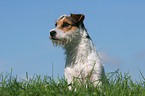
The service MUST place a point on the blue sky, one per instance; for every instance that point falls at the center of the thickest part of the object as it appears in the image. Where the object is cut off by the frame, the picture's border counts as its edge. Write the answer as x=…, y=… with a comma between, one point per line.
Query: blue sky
x=117, y=29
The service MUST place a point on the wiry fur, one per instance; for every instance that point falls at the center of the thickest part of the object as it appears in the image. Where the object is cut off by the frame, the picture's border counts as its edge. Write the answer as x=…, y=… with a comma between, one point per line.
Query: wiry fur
x=81, y=55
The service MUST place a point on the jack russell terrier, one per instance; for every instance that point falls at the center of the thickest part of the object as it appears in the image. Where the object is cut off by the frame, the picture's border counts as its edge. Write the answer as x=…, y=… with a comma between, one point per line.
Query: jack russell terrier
x=82, y=59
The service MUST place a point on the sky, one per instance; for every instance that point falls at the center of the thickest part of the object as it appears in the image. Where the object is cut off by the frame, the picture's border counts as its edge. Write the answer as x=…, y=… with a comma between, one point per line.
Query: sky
x=117, y=29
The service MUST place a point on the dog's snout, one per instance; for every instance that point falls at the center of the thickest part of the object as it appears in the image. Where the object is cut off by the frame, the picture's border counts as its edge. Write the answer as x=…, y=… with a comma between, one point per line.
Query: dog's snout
x=53, y=33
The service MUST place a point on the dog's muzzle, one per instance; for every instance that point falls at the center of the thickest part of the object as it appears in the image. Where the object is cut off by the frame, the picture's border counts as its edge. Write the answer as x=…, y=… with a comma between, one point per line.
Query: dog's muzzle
x=53, y=34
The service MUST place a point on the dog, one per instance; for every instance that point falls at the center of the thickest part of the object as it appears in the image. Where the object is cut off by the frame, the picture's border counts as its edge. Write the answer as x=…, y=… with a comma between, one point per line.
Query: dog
x=82, y=59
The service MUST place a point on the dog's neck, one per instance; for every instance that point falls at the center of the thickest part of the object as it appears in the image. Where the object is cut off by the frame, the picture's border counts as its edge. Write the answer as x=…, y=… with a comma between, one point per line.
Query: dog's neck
x=78, y=50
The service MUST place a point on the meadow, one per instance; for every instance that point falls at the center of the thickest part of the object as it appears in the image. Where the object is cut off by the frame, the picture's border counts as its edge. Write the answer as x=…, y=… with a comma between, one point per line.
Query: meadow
x=38, y=85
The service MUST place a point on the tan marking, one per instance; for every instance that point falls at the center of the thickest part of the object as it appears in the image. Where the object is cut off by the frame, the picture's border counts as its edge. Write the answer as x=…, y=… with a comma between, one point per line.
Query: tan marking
x=61, y=17
x=68, y=28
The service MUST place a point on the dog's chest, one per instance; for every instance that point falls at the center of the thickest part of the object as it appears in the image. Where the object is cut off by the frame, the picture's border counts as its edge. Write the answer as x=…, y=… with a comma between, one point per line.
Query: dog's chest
x=78, y=55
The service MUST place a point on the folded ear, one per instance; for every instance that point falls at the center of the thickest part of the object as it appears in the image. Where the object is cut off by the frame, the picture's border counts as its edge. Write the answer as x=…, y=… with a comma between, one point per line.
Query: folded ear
x=78, y=17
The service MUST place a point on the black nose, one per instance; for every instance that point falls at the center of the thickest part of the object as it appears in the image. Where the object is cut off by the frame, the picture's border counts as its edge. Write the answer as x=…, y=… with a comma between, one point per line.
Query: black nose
x=53, y=33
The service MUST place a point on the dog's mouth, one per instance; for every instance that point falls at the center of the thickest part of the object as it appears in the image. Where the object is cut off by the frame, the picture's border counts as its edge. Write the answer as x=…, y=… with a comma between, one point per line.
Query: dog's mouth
x=55, y=39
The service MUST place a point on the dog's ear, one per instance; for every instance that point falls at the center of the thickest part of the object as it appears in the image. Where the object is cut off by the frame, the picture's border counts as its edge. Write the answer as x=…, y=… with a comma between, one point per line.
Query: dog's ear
x=78, y=18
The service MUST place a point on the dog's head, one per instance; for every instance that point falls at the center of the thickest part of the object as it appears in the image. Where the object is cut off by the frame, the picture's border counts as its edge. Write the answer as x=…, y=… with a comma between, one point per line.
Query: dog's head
x=66, y=29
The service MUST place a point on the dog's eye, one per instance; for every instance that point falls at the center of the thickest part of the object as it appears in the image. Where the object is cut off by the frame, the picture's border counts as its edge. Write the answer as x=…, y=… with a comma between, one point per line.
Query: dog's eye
x=65, y=24
x=55, y=24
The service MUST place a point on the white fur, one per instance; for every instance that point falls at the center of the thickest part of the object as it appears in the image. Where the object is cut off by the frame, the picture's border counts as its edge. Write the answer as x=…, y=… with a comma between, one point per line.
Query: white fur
x=81, y=56
x=80, y=59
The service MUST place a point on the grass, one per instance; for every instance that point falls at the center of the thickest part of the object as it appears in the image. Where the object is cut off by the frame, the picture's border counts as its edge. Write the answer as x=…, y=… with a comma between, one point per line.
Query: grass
x=119, y=85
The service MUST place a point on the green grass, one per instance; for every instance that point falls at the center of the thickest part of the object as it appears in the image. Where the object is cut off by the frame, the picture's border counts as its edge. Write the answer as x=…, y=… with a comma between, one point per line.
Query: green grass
x=119, y=85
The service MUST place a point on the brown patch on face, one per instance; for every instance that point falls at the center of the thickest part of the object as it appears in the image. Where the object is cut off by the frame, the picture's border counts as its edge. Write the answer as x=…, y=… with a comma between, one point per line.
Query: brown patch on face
x=66, y=24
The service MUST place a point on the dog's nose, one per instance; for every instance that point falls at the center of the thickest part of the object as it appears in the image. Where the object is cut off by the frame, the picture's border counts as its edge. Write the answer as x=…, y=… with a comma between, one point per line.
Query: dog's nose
x=53, y=33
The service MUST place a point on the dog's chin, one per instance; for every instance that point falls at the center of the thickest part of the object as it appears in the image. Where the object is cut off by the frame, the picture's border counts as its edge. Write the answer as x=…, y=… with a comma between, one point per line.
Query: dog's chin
x=58, y=42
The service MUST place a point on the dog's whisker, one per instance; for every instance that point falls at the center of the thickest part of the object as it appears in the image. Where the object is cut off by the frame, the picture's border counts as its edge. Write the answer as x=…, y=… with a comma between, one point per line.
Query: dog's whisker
x=53, y=43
